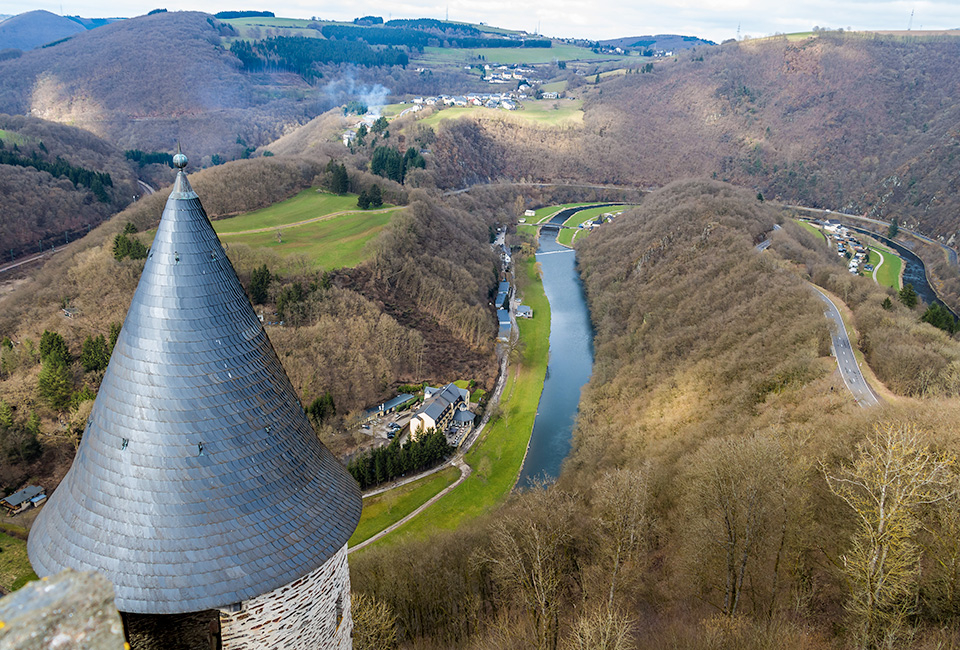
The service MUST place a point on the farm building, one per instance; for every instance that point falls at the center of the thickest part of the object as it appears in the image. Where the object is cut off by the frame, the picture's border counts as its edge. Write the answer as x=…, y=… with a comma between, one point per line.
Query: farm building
x=389, y=406
x=28, y=497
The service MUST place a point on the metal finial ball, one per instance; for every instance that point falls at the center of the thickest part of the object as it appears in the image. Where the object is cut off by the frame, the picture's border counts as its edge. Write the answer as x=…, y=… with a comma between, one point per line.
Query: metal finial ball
x=179, y=161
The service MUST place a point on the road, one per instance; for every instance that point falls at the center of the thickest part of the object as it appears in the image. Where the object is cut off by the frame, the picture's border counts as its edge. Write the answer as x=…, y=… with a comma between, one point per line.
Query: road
x=146, y=188
x=846, y=361
x=765, y=244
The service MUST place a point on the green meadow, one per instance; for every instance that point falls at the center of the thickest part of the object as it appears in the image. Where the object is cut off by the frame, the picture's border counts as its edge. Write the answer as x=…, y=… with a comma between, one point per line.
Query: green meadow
x=888, y=275
x=384, y=510
x=15, y=569
x=329, y=230
x=551, y=112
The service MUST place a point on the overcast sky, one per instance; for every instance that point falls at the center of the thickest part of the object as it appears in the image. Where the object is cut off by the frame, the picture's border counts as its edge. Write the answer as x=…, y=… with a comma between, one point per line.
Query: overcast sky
x=598, y=19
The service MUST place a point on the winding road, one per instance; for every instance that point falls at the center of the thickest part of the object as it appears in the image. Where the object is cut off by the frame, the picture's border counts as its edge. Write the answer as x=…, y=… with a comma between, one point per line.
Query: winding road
x=846, y=361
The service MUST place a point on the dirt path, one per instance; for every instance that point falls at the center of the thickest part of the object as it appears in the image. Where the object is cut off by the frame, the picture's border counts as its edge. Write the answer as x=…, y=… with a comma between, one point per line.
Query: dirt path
x=306, y=221
x=464, y=473
x=877, y=267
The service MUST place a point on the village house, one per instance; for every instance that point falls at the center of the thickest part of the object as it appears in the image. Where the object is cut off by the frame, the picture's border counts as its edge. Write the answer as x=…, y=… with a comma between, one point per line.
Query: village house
x=29, y=497
x=438, y=410
x=503, y=320
x=390, y=406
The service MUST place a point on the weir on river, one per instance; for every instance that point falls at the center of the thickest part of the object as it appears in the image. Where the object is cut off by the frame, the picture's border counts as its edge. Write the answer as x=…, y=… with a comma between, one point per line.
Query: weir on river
x=570, y=362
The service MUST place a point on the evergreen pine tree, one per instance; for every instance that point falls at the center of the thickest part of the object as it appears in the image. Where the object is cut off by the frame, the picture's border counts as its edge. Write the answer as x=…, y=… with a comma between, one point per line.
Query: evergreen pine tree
x=259, y=285
x=53, y=384
x=908, y=296
x=95, y=355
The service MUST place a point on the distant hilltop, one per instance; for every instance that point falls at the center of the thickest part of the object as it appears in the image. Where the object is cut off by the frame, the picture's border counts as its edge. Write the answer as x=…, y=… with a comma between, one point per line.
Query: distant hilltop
x=35, y=28
x=665, y=42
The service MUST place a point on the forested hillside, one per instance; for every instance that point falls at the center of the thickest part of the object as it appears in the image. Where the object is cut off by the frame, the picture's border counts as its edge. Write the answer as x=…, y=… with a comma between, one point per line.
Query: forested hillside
x=146, y=82
x=415, y=312
x=56, y=182
x=35, y=28
x=842, y=121
x=706, y=503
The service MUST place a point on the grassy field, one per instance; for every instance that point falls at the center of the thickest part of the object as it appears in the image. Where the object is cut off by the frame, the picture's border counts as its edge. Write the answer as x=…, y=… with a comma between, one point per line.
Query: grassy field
x=552, y=112
x=619, y=72
x=888, y=275
x=511, y=55
x=555, y=87
x=260, y=21
x=332, y=241
x=392, y=110
x=15, y=569
x=816, y=231
x=308, y=204
x=498, y=455
x=565, y=237
x=545, y=213
x=386, y=509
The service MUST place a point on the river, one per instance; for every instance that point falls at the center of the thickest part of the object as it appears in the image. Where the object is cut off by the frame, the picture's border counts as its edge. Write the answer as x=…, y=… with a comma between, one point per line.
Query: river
x=914, y=272
x=569, y=366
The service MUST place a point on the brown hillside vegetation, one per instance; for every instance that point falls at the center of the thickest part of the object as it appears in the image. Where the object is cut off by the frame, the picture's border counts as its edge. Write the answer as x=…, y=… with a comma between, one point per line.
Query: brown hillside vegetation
x=35, y=28
x=843, y=121
x=34, y=205
x=184, y=86
x=416, y=312
x=694, y=511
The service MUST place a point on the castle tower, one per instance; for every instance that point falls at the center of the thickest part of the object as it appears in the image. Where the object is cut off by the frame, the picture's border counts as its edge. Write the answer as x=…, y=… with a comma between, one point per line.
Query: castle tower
x=199, y=488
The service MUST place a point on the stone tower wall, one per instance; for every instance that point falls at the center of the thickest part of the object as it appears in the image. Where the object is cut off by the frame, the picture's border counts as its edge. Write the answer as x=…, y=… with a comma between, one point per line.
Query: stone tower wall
x=310, y=613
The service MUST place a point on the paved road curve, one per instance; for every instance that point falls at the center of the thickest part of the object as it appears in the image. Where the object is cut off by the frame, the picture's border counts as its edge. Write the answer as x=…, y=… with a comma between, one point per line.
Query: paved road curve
x=846, y=361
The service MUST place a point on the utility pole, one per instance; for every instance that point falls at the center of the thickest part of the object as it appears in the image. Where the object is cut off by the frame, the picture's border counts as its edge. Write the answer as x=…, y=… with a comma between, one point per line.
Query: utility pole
x=910, y=24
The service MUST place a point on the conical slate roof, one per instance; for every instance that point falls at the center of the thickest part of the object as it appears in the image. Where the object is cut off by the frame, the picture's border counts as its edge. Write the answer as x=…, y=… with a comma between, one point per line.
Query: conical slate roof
x=199, y=482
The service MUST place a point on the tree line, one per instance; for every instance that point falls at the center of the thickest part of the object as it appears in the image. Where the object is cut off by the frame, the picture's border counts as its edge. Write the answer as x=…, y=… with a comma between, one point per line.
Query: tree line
x=225, y=15
x=302, y=55
x=416, y=38
x=96, y=182
x=149, y=157
x=386, y=463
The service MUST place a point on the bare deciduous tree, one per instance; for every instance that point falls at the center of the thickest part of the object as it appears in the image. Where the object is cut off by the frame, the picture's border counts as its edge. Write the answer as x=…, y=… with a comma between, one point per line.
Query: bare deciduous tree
x=605, y=628
x=622, y=498
x=894, y=475
x=736, y=507
x=374, y=625
x=528, y=556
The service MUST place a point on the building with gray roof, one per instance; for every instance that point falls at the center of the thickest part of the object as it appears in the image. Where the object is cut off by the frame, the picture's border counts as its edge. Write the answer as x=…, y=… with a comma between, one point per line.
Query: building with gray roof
x=25, y=498
x=439, y=407
x=199, y=484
